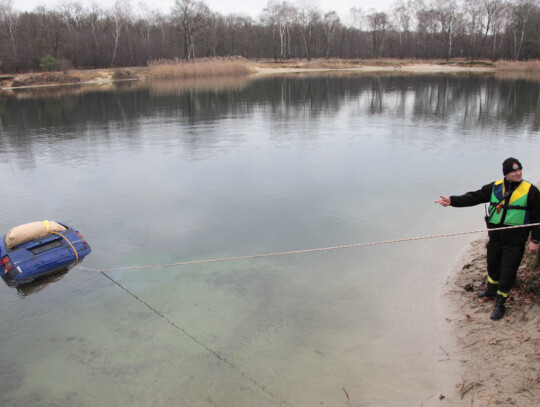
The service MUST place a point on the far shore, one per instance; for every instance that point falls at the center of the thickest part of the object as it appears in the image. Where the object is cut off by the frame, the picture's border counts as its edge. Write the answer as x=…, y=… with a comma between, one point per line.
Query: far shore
x=257, y=69
x=413, y=68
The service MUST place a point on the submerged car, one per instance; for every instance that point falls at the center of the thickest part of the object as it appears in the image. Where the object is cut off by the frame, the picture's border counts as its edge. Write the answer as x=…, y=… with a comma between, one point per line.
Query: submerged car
x=41, y=256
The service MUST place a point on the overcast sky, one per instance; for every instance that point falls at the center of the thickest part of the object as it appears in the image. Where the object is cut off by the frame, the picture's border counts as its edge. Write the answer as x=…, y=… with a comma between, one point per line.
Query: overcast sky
x=250, y=7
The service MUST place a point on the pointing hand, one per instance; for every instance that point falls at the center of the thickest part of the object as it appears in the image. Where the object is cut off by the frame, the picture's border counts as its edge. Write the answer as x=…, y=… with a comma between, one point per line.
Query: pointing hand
x=444, y=201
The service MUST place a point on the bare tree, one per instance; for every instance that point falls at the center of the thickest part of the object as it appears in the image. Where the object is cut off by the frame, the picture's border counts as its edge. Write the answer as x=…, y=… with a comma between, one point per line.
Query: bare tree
x=492, y=24
x=32, y=35
x=54, y=31
x=90, y=37
x=73, y=12
x=447, y=14
x=378, y=25
x=8, y=21
x=357, y=15
x=330, y=24
x=119, y=16
x=278, y=17
x=473, y=13
x=308, y=17
x=236, y=25
x=520, y=19
x=94, y=19
x=191, y=17
x=401, y=17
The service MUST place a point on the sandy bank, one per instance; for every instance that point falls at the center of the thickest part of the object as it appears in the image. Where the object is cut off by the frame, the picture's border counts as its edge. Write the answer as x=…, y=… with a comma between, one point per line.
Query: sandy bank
x=500, y=359
x=107, y=76
x=413, y=68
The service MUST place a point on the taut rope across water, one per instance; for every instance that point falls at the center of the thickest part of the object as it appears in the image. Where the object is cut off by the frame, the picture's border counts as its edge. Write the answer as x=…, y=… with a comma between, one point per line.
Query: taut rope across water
x=321, y=249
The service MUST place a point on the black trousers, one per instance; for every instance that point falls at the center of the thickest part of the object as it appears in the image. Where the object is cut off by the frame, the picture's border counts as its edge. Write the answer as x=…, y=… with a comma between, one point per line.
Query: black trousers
x=504, y=253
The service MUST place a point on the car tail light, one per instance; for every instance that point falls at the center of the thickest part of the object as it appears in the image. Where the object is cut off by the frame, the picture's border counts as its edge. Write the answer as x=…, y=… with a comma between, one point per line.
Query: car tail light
x=86, y=245
x=6, y=264
x=9, y=270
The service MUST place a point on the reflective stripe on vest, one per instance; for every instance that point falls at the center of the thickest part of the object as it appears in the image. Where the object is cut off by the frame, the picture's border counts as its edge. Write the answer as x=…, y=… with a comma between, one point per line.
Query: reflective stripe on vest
x=512, y=213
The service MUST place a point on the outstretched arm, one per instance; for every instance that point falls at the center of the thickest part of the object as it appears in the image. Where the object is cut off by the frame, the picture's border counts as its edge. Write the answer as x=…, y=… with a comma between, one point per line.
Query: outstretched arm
x=469, y=199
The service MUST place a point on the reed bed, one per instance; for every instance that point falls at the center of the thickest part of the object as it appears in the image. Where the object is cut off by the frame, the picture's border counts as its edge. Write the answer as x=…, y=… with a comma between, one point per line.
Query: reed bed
x=199, y=68
x=519, y=66
x=518, y=70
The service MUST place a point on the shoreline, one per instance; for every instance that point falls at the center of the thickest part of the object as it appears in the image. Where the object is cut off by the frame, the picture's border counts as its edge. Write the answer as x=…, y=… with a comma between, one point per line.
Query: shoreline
x=106, y=76
x=410, y=68
x=500, y=360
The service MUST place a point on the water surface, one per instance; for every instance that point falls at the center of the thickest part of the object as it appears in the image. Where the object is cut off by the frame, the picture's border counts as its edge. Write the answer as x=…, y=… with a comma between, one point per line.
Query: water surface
x=161, y=174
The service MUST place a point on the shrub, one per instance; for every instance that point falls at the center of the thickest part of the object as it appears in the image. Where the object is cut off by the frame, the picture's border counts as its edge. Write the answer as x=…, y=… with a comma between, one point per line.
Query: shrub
x=50, y=63
x=120, y=74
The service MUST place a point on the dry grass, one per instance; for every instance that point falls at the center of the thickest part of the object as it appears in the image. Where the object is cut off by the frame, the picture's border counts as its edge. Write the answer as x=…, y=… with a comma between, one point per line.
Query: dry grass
x=199, y=68
x=514, y=70
x=519, y=66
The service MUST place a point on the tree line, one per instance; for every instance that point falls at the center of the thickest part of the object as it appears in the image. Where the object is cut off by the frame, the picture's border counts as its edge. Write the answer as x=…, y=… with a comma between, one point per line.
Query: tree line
x=79, y=36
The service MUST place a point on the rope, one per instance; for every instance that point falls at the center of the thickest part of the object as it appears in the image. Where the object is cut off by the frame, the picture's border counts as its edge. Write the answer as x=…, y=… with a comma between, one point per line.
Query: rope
x=69, y=243
x=349, y=246
x=262, y=388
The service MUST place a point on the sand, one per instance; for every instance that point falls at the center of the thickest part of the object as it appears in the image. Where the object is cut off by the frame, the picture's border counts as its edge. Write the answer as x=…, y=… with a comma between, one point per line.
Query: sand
x=412, y=68
x=500, y=359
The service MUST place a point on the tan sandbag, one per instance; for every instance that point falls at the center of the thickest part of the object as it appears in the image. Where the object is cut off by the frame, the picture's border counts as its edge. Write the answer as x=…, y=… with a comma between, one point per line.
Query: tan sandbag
x=29, y=231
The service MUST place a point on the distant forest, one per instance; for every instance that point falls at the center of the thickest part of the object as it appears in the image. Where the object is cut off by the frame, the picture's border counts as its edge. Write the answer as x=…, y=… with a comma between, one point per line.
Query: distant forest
x=81, y=36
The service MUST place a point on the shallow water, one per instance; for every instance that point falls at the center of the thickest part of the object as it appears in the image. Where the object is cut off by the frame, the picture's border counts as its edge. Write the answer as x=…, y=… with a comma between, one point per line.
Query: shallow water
x=160, y=174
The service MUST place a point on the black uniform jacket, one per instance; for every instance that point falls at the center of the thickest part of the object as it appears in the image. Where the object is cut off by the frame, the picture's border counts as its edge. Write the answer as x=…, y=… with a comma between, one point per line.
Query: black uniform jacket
x=483, y=195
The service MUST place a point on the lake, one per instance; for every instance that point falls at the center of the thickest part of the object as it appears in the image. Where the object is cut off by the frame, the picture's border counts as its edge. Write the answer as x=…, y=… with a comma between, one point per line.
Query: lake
x=161, y=173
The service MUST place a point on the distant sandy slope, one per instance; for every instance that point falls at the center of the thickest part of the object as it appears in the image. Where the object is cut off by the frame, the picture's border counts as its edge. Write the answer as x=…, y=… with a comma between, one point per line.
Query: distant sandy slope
x=501, y=359
x=264, y=70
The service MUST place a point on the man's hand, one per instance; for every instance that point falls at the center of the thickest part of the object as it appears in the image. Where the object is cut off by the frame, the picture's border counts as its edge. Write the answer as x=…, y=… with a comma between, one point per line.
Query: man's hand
x=444, y=201
x=532, y=247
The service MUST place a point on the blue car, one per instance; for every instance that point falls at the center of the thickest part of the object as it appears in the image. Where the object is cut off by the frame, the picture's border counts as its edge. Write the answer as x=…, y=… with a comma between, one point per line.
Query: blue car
x=42, y=257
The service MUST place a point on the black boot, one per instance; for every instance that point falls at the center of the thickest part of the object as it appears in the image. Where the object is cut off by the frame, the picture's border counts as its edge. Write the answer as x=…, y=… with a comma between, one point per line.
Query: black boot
x=489, y=292
x=500, y=309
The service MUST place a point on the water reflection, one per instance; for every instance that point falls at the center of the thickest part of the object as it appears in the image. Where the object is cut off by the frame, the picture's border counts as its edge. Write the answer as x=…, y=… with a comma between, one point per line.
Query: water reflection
x=475, y=99
x=25, y=290
x=164, y=88
x=462, y=103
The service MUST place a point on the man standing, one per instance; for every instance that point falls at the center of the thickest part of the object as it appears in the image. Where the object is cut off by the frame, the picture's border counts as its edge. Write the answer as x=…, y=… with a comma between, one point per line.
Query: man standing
x=512, y=202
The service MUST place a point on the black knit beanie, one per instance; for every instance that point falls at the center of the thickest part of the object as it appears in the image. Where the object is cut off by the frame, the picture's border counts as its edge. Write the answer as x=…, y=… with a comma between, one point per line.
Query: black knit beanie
x=511, y=164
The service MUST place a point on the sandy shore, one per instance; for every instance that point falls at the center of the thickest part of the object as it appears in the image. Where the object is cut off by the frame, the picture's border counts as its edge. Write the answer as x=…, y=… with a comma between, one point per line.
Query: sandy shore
x=500, y=359
x=412, y=68
x=260, y=68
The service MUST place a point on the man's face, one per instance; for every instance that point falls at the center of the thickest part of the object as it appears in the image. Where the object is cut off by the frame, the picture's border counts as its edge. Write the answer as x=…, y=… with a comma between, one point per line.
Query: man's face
x=514, y=176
